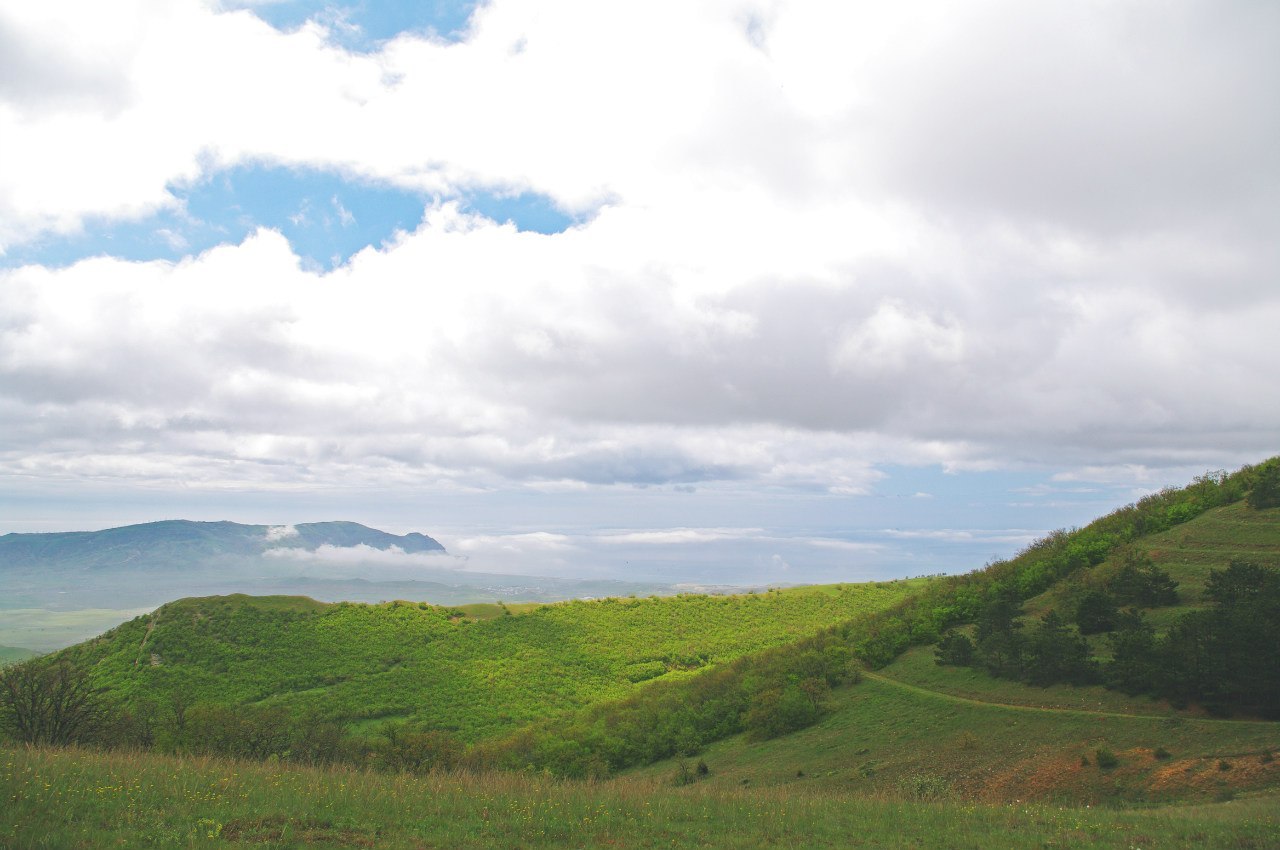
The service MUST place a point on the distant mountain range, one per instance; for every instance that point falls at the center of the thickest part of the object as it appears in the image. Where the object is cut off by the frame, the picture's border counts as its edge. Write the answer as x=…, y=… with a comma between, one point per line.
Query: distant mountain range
x=171, y=543
x=58, y=588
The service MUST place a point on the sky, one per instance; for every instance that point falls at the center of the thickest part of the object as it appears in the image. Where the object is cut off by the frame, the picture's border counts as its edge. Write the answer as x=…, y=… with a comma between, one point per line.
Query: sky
x=735, y=291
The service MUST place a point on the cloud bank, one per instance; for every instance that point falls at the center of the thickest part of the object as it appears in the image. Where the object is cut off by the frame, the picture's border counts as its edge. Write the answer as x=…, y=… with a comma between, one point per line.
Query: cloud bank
x=813, y=239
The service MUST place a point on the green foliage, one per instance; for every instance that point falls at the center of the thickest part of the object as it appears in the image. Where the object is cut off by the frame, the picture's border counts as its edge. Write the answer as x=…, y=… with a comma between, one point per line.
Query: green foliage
x=1141, y=583
x=1227, y=655
x=963, y=599
x=474, y=678
x=955, y=649
x=785, y=708
x=50, y=701
x=1266, y=486
x=1096, y=611
x=1053, y=653
x=1133, y=668
x=1105, y=759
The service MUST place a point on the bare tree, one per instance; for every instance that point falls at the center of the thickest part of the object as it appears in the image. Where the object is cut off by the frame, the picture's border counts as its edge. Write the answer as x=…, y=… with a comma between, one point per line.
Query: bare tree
x=51, y=702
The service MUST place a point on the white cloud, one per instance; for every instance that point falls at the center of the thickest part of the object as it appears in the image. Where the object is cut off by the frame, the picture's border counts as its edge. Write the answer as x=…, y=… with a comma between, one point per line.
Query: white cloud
x=276, y=533
x=831, y=236
x=671, y=536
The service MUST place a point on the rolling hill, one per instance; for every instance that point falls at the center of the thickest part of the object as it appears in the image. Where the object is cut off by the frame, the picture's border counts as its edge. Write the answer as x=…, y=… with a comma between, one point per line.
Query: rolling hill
x=810, y=716
x=473, y=672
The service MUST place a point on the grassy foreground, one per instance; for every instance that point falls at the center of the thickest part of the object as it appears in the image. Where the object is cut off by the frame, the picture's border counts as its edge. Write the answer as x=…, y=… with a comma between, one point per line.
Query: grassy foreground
x=83, y=799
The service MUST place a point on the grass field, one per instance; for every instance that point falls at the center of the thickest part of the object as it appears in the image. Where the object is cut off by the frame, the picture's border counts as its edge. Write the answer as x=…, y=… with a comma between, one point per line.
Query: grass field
x=75, y=799
x=45, y=630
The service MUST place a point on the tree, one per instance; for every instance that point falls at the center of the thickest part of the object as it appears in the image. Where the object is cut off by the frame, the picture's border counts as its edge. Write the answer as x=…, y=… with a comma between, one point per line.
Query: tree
x=1134, y=664
x=999, y=639
x=1055, y=654
x=1140, y=582
x=48, y=701
x=1096, y=612
x=955, y=649
x=1266, y=486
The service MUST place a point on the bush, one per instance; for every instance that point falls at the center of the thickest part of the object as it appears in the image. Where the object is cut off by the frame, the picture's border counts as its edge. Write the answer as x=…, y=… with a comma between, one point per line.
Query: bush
x=924, y=786
x=1105, y=758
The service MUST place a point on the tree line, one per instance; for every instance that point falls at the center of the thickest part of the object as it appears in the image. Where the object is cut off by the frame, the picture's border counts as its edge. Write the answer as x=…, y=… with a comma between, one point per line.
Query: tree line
x=1225, y=657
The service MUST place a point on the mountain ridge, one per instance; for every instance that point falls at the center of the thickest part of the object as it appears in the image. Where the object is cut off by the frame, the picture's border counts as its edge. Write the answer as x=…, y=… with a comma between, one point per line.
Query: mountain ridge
x=157, y=542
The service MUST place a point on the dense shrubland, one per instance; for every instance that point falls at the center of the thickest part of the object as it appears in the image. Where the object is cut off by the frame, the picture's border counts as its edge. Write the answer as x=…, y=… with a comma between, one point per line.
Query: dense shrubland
x=407, y=685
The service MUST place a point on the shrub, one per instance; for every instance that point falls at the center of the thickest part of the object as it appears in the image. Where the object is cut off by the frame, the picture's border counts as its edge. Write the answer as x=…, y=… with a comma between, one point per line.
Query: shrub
x=1161, y=753
x=924, y=786
x=1105, y=758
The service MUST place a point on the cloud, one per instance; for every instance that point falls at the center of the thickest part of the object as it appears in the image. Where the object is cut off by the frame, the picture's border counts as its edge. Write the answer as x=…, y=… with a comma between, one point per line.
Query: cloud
x=276, y=533
x=344, y=562
x=679, y=536
x=811, y=241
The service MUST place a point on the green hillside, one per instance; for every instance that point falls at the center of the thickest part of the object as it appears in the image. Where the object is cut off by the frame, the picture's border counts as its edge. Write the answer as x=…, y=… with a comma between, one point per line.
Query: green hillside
x=1189, y=552
x=916, y=728
x=474, y=672
x=907, y=732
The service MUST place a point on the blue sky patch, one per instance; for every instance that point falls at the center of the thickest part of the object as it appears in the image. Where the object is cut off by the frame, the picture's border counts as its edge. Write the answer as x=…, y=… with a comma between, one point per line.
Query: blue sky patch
x=364, y=25
x=325, y=216
x=528, y=211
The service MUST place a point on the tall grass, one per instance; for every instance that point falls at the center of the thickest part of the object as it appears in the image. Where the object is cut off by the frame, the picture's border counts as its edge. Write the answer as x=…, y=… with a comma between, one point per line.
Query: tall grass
x=84, y=799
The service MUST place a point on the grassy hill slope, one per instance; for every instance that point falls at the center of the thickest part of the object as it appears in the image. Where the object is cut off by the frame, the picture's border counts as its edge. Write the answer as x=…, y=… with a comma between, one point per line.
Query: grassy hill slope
x=474, y=672
x=1188, y=553
x=886, y=736
x=915, y=728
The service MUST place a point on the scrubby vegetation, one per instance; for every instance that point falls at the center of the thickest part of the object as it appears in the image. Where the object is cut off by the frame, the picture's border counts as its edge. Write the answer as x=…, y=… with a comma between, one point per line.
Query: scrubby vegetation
x=407, y=684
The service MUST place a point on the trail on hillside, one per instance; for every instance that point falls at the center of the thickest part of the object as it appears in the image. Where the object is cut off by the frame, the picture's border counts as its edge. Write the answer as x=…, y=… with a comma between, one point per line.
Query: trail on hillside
x=1079, y=712
x=151, y=627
